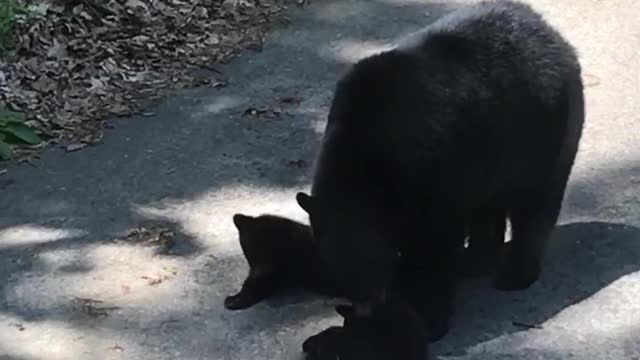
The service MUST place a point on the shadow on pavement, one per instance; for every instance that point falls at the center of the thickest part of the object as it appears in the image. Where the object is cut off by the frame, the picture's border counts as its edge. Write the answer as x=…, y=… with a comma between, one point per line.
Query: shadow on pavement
x=583, y=258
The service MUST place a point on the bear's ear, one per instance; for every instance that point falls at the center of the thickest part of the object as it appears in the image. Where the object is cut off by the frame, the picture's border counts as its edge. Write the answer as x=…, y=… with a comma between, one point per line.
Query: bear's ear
x=241, y=220
x=345, y=311
x=305, y=201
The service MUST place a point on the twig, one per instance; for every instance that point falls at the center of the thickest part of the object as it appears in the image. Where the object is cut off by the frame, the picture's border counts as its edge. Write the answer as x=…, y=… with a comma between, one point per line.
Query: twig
x=526, y=326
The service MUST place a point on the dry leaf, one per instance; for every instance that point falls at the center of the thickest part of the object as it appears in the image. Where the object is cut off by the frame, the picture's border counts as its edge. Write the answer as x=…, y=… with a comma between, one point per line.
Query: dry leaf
x=155, y=281
x=18, y=326
x=89, y=306
x=264, y=112
x=116, y=348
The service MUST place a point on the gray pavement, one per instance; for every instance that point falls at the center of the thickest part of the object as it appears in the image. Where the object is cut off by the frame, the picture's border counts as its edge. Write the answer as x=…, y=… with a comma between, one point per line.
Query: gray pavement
x=199, y=161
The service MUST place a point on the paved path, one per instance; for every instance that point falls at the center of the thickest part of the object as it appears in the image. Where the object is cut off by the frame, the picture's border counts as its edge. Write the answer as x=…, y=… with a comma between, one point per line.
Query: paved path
x=199, y=161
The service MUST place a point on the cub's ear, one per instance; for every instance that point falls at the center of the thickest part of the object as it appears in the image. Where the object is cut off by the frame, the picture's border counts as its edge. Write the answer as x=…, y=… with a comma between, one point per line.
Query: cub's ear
x=241, y=220
x=305, y=201
x=345, y=311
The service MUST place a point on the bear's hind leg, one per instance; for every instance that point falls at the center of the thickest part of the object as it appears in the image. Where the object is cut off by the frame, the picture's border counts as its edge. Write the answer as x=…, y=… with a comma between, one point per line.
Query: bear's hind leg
x=532, y=222
x=486, y=240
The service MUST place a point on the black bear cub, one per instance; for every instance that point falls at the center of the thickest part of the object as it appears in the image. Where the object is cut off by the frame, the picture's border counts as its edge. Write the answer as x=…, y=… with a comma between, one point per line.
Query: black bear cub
x=392, y=331
x=281, y=256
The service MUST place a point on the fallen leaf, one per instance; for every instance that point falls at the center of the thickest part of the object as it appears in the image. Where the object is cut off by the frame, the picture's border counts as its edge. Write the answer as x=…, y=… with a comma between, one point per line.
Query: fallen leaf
x=170, y=269
x=116, y=348
x=262, y=112
x=44, y=84
x=290, y=100
x=155, y=281
x=89, y=306
x=18, y=326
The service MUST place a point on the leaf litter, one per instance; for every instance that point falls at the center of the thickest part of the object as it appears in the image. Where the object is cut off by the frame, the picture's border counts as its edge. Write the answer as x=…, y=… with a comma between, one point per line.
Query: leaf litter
x=77, y=62
x=92, y=307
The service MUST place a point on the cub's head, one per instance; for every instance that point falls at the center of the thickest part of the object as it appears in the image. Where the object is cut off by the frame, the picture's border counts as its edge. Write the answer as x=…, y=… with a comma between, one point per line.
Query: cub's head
x=269, y=239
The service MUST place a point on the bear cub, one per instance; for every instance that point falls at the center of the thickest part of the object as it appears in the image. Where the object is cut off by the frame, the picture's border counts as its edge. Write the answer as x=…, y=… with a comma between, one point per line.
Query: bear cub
x=281, y=256
x=391, y=331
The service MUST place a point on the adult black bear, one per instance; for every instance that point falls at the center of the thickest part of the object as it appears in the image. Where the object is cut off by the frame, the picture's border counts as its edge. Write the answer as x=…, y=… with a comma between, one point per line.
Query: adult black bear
x=475, y=119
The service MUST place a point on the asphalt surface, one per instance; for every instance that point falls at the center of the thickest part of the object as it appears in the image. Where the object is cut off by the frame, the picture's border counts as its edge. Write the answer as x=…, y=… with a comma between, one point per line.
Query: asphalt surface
x=199, y=161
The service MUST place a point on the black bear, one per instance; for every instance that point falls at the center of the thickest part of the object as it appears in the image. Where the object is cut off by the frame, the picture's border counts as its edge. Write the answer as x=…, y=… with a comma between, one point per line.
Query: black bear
x=390, y=332
x=473, y=120
x=281, y=256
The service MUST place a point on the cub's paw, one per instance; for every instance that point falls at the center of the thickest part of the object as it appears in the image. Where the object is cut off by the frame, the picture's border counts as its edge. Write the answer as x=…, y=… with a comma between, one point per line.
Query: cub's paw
x=239, y=301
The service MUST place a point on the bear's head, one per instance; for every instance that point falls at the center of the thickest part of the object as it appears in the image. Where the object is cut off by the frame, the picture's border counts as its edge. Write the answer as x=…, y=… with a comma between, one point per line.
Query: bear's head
x=352, y=249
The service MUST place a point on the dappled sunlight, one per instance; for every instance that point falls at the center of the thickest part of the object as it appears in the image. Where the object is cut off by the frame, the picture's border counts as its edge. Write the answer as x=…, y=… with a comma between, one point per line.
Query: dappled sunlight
x=216, y=105
x=208, y=217
x=120, y=276
x=32, y=234
x=609, y=317
x=339, y=12
x=60, y=340
x=351, y=50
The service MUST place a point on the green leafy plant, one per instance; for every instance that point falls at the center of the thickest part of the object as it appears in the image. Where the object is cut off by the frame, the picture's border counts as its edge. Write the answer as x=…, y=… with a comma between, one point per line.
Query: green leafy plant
x=13, y=131
x=9, y=12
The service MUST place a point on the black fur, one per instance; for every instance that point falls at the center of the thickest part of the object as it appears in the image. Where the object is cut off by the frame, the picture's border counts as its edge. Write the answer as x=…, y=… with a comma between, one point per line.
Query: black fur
x=391, y=332
x=476, y=119
x=281, y=256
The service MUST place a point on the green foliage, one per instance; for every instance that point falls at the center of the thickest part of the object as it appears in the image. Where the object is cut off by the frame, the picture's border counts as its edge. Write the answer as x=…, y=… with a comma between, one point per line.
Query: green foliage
x=9, y=11
x=13, y=131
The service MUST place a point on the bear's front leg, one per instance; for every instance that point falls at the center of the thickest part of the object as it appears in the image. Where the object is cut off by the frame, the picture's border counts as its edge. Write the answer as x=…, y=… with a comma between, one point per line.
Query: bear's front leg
x=430, y=290
x=426, y=276
x=324, y=345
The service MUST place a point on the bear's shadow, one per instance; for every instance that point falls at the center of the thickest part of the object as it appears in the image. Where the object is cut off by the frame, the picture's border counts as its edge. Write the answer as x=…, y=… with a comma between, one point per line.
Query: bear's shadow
x=582, y=258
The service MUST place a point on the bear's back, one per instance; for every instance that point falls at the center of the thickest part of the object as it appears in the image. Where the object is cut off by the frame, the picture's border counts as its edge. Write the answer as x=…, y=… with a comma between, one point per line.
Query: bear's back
x=492, y=77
